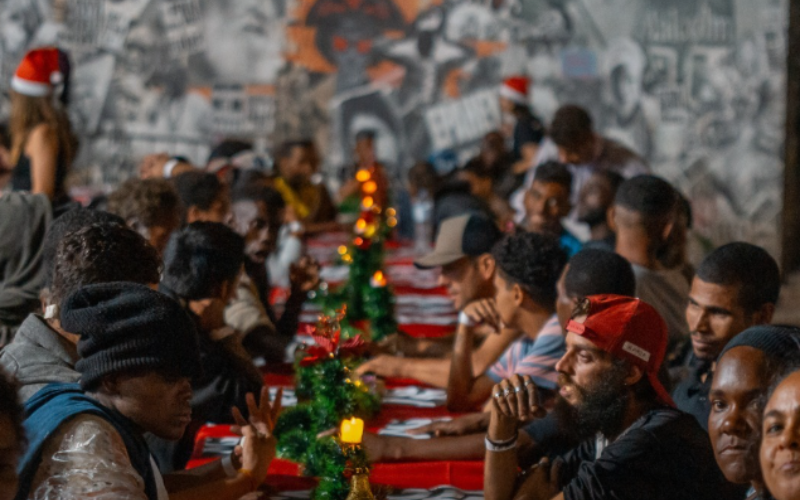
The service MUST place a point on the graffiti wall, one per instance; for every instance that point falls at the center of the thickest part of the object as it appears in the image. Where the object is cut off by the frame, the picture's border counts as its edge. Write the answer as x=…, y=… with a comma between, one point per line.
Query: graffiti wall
x=696, y=86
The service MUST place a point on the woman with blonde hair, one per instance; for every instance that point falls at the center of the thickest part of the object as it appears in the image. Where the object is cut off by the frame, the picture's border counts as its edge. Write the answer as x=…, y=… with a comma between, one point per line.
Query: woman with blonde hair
x=42, y=143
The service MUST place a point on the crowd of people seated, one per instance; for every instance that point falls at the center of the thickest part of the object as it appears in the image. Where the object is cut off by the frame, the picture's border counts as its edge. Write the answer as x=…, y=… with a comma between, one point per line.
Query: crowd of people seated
x=590, y=359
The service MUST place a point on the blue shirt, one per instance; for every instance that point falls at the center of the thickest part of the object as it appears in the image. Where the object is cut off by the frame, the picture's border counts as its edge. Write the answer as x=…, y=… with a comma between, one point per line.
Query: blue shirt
x=570, y=243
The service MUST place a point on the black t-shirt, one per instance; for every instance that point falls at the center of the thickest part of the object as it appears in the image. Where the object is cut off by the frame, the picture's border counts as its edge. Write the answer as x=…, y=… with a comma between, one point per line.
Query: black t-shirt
x=528, y=129
x=664, y=455
x=691, y=395
x=549, y=439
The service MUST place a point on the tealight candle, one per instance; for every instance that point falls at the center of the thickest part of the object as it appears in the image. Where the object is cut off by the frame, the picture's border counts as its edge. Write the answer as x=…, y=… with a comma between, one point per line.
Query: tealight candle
x=352, y=431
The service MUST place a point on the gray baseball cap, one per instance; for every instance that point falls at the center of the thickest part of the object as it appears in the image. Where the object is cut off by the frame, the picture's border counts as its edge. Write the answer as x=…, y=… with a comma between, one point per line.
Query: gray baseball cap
x=467, y=235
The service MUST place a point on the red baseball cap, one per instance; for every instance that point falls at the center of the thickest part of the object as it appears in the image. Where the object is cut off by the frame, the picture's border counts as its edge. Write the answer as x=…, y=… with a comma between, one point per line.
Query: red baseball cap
x=629, y=329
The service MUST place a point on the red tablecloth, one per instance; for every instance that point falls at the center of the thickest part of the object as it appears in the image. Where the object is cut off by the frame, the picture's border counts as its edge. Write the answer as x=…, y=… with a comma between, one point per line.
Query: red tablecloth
x=466, y=475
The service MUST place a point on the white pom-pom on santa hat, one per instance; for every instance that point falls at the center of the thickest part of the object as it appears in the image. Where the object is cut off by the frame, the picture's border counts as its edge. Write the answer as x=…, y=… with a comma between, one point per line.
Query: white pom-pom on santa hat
x=515, y=88
x=38, y=72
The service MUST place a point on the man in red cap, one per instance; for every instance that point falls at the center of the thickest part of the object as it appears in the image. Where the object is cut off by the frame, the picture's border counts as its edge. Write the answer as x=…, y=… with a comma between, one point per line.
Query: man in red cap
x=635, y=443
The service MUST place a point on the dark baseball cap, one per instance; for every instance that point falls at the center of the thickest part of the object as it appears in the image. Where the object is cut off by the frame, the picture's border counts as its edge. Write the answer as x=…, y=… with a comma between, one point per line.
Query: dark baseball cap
x=467, y=235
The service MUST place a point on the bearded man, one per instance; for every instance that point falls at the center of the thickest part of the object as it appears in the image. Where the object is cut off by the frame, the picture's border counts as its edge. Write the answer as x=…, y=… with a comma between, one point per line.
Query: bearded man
x=634, y=443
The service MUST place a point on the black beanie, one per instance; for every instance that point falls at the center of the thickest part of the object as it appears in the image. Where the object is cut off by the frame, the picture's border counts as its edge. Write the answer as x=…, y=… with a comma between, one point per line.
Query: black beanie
x=778, y=343
x=127, y=326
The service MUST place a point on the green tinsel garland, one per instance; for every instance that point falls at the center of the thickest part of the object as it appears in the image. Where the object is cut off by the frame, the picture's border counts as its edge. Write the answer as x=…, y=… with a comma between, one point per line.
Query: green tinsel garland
x=326, y=397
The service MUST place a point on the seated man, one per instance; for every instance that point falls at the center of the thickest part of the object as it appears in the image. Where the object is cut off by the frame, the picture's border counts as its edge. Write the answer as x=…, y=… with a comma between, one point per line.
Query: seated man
x=297, y=163
x=594, y=203
x=590, y=272
x=150, y=207
x=463, y=250
x=636, y=444
x=528, y=266
x=163, y=166
x=365, y=157
x=258, y=213
x=82, y=247
x=581, y=147
x=481, y=184
x=547, y=201
x=138, y=354
x=643, y=216
x=736, y=287
x=203, y=196
x=746, y=368
x=202, y=264
x=494, y=156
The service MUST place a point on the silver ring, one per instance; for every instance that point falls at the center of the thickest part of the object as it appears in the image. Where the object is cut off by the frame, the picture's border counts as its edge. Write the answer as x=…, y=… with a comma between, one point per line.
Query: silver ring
x=506, y=392
x=519, y=389
x=528, y=382
x=497, y=394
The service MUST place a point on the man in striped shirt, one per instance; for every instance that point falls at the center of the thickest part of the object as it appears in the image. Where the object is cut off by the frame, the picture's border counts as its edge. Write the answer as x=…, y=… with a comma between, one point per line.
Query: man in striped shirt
x=533, y=356
x=528, y=266
x=590, y=272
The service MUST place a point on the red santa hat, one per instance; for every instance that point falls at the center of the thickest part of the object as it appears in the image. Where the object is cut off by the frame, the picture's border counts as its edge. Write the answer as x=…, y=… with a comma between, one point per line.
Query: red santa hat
x=515, y=89
x=39, y=72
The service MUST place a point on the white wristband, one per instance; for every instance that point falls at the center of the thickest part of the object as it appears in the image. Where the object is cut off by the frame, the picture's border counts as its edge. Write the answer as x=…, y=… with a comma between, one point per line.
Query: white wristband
x=464, y=319
x=498, y=447
x=169, y=166
x=295, y=227
x=227, y=466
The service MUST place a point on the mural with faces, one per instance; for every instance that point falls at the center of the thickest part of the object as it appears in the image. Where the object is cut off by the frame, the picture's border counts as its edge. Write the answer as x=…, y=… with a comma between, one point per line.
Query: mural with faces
x=695, y=86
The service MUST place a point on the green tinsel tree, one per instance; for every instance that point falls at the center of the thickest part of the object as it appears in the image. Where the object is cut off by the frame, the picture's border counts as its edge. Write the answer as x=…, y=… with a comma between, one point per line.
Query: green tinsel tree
x=366, y=293
x=326, y=396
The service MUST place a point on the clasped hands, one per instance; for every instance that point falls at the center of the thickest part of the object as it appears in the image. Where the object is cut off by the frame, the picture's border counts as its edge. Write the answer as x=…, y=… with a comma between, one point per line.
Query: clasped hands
x=517, y=400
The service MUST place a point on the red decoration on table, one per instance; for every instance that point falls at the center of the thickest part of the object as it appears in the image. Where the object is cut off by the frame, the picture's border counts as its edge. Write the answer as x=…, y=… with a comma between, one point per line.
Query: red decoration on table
x=327, y=338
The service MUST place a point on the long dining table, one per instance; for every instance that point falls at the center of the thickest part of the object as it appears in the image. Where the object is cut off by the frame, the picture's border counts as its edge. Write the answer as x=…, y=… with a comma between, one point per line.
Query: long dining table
x=423, y=310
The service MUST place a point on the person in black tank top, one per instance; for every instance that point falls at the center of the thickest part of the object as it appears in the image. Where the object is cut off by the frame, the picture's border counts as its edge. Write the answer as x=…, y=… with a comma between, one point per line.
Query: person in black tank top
x=43, y=144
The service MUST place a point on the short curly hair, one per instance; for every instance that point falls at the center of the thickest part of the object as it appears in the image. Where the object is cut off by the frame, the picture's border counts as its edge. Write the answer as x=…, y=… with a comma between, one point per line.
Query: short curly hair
x=200, y=258
x=148, y=200
x=69, y=222
x=101, y=253
x=534, y=262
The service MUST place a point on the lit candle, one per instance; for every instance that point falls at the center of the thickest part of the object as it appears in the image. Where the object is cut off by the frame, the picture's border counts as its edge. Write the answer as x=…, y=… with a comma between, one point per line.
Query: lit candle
x=352, y=431
x=378, y=280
